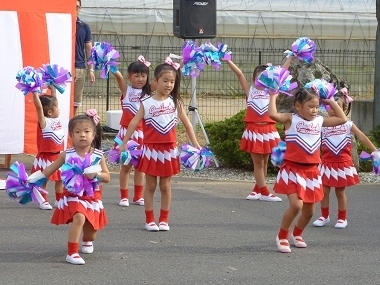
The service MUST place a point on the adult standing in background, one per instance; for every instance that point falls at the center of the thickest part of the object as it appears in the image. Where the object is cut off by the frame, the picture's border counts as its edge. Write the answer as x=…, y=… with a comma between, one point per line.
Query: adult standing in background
x=83, y=45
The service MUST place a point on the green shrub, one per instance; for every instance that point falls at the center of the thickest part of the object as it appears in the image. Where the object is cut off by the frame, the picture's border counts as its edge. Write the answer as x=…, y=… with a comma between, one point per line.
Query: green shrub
x=225, y=139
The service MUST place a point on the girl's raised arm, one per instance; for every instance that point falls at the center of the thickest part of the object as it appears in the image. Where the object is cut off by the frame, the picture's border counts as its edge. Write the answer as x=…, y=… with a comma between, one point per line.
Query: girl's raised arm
x=242, y=80
x=188, y=127
x=363, y=138
x=338, y=119
x=120, y=82
x=40, y=110
x=283, y=118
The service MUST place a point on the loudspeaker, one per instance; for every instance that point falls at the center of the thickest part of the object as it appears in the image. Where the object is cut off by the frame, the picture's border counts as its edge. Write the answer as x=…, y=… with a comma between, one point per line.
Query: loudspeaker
x=194, y=19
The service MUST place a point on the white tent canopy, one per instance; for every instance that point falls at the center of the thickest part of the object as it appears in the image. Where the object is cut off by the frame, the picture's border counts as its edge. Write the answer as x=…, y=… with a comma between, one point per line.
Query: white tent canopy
x=266, y=19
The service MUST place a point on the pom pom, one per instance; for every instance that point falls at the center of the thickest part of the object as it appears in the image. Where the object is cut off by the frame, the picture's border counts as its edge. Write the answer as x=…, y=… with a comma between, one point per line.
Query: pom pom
x=130, y=156
x=275, y=79
x=29, y=80
x=213, y=55
x=193, y=61
x=74, y=178
x=18, y=188
x=103, y=57
x=58, y=77
x=196, y=159
x=278, y=153
x=195, y=58
x=303, y=48
x=324, y=89
x=374, y=157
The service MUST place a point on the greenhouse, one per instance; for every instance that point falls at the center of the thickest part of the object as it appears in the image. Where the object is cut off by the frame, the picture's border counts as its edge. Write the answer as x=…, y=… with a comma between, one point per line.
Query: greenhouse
x=256, y=31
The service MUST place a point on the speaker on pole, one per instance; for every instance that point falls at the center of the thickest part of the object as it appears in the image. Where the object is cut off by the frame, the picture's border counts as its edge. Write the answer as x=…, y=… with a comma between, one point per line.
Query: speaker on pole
x=194, y=19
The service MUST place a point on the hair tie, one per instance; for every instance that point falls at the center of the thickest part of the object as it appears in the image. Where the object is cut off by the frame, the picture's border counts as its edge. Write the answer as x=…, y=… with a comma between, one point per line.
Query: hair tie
x=92, y=113
x=169, y=61
x=143, y=60
x=344, y=91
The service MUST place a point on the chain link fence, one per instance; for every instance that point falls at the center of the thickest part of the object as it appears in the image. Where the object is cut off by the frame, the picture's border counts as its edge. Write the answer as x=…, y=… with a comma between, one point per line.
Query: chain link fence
x=218, y=92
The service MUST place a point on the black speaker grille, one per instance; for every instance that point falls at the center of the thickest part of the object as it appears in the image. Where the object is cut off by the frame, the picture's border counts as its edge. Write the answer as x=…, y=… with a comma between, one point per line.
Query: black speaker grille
x=197, y=19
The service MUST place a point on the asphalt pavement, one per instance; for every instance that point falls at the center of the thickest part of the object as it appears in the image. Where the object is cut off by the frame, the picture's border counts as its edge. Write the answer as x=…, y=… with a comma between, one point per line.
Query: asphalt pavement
x=216, y=237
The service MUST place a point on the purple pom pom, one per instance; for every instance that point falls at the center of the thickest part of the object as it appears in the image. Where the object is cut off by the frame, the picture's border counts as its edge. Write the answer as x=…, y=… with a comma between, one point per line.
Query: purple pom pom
x=52, y=75
x=303, y=48
x=29, y=80
x=103, y=57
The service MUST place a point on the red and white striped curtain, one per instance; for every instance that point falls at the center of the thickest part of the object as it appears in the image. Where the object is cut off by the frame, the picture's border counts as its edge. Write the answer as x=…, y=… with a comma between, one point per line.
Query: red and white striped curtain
x=32, y=33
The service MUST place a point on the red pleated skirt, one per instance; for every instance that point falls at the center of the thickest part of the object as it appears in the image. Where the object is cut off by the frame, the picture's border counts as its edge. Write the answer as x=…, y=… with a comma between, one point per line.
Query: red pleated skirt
x=159, y=159
x=137, y=136
x=43, y=160
x=259, y=138
x=305, y=180
x=91, y=207
x=338, y=174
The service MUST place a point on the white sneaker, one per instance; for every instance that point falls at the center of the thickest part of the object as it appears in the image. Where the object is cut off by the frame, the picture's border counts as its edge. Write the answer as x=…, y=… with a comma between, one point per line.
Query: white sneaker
x=45, y=206
x=298, y=241
x=139, y=202
x=341, y=224
x=321, y=222
x=283, y=245
x=253, y=196
x=75, y=259
x=87, y=247
x=152, y=227
x=270, y=198
x=163, y=226
x=124, y=202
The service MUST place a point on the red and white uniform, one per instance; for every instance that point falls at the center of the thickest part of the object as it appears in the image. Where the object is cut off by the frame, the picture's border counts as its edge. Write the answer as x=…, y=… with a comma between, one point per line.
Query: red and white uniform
x=130, y=104
x=91, y=207
x=299, y=173
x=159, y=152
x=50, y=143
x=337, y=168
x=260, y=135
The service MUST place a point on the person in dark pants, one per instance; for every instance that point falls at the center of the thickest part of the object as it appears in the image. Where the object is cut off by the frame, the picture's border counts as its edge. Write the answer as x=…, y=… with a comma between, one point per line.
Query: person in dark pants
x=83, y=45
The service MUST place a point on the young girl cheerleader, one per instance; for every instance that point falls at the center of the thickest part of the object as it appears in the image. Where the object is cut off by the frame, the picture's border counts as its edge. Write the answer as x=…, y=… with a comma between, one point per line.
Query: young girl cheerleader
x=299, y=176
x=85, y=212
x=159, y=153
x=50, y=140
x=260, y=134
x=138, y=76
x=337, y=168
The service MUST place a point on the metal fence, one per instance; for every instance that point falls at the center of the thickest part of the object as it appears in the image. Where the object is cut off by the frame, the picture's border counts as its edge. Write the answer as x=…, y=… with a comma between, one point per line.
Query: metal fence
x=218, y=93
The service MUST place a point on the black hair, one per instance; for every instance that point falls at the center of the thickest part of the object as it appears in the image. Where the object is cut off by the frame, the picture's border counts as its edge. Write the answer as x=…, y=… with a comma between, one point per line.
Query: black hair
x=341, y=96
x=303, y=95
x=163, y=68
x=138, y=67
x=48, y=102
x=258, y=69
x=96, y=143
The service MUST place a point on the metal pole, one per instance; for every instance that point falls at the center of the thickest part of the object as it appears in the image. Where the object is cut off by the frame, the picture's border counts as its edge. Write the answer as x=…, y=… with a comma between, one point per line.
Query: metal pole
x=108, y=94
x=193, y=102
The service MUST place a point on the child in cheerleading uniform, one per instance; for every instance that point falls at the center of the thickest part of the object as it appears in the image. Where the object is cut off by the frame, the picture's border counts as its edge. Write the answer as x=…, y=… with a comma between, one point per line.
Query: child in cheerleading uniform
x=85, y=213
x=50, y=140
x=299, y=177
x=138, y=76
x=337, y=168
x=260, y=134
x=159, y=153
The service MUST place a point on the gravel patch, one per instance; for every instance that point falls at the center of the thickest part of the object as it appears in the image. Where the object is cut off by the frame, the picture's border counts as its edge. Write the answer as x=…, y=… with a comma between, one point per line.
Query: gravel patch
x=230, y=174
